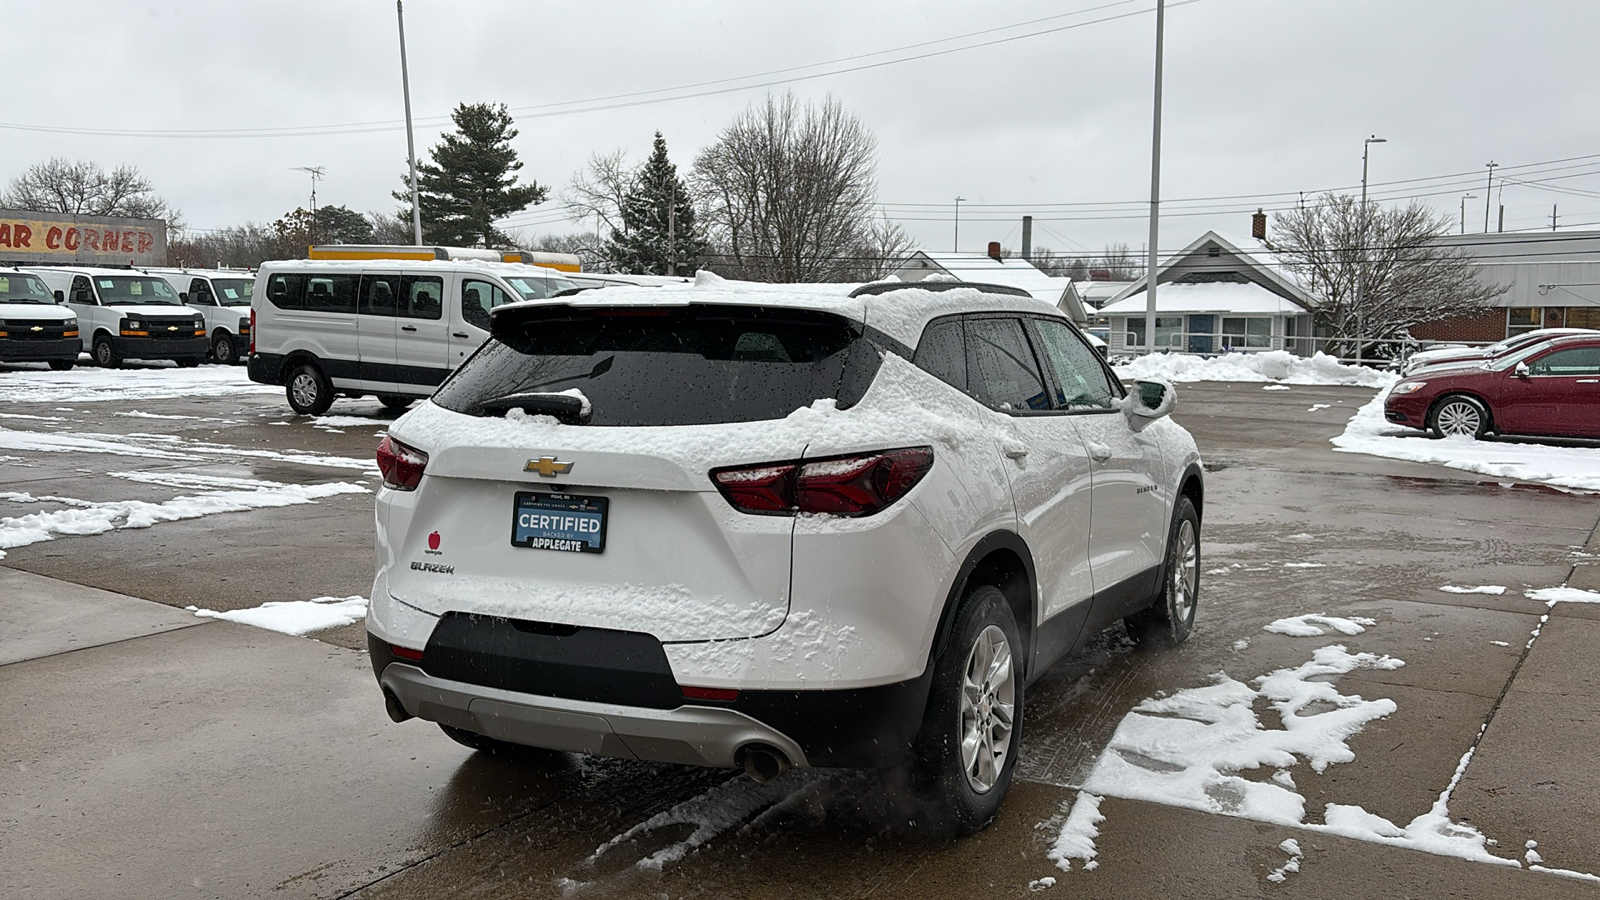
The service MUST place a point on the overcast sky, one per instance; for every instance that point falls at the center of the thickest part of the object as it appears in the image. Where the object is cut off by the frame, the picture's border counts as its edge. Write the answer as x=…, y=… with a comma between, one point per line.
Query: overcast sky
x=1262, y=97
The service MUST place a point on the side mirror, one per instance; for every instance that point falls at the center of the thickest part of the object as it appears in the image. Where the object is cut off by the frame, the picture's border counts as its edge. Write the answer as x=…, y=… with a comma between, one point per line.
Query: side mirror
x=183, y=296
x=80, y=296
x=1148, y=401
x=1522, y=370
x=60, y=297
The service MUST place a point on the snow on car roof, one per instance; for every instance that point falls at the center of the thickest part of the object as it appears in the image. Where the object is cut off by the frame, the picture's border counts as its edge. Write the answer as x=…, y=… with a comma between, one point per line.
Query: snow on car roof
x=901, y=314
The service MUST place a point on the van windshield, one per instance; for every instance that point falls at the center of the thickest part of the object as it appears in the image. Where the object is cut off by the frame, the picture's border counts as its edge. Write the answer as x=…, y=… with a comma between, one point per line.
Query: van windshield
x=540, y=287
x=233, y=291
x=119, y=290
x=23, y=289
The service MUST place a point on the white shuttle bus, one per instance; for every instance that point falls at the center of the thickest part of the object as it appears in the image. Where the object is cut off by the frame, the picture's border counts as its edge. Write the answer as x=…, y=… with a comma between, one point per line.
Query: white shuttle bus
x=378, y=327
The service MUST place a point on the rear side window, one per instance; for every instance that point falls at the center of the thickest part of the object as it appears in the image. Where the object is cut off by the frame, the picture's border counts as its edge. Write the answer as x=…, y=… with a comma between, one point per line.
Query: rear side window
x=943, y=353
x=317, y=292
x=421, y=297
x=696, y=365
x=1001, y=370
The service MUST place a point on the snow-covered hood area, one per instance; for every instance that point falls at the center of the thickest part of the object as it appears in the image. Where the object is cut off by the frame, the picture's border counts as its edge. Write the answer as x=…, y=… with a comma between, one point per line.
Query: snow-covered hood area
x=904, y=407
x=34, y=312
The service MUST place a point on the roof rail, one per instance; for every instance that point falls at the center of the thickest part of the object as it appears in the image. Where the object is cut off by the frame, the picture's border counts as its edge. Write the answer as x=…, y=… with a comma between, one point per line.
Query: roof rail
x=885, y=287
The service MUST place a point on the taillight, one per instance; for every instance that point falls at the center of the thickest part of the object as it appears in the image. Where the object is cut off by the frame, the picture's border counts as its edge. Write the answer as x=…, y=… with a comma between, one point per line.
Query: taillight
x=857, y=485
x=726, y=695
x=401, y=465
x=252, y=332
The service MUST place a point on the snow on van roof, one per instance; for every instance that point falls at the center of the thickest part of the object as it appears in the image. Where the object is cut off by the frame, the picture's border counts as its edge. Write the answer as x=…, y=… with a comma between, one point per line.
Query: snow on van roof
x=901, y=314
x=442, y=265
x=84, y=270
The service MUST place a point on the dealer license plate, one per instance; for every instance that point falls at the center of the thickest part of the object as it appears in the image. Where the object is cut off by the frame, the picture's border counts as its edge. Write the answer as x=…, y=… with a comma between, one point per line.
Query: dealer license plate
x=559, y=522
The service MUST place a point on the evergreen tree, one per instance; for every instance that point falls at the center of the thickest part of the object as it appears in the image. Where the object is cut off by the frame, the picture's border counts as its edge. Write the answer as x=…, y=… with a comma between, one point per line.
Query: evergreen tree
x=471, y=182
x=646, y=244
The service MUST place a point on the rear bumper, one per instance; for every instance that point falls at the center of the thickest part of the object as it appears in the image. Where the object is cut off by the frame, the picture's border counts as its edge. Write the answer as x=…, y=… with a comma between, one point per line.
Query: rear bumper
x=39, y=351
x=264, y=368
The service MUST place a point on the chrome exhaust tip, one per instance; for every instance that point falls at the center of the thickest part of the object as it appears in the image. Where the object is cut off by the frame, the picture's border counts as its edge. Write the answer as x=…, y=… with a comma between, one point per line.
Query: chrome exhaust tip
x=763, y=763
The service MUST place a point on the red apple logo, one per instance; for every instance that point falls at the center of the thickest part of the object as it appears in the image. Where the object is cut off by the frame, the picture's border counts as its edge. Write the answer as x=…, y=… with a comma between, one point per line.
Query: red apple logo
x=433, y=541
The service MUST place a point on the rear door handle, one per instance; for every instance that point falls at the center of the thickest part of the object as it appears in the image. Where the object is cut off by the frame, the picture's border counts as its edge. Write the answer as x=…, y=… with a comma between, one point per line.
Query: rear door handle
x=408, y=328
x=458, y=334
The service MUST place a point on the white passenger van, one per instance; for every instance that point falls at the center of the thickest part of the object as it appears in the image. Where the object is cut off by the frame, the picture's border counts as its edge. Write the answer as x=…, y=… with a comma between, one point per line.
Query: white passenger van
x=222, y=298
x=382, y=327
x=127, y=314
x=33, y=326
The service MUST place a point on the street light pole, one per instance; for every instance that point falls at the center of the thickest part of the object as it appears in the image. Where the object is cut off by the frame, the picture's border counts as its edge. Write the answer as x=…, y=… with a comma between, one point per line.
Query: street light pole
x=1487, y=193
x=1361, y=258
x=1464, y=199
x=411, y=146
x=1155, y=191
x=956, y=244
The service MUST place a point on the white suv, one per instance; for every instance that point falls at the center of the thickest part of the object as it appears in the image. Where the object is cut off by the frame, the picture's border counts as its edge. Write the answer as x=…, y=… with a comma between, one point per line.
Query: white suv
x=770, y=527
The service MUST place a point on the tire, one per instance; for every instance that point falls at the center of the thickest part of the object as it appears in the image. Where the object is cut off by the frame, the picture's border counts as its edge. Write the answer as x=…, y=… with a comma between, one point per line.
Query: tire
x=105, y=353
x=972, y=729
x=1170, y=619
x=1458, y=414
x=222, y=350
x=394, y=401
x=61, y=365
x=503, y=749
x=310, y=392
x=191, y=362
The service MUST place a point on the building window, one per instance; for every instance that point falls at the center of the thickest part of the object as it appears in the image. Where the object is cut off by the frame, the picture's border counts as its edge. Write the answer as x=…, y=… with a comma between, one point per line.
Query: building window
x=1169, y=332
x=1583, y=317
x=1519, y=320
x=1246, y=332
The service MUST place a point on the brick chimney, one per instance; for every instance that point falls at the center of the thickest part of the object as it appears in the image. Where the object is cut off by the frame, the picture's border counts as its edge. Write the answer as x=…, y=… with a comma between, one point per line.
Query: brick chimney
x=1258, y=225
x=994, y=250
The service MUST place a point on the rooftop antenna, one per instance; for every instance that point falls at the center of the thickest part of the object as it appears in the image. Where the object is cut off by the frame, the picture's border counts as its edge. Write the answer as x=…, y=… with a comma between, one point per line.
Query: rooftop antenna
x=315, y=172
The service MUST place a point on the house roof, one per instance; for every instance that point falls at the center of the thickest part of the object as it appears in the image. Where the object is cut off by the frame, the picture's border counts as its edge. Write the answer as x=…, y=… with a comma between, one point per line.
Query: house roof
x=1212, y=297
x=1255, y=255
x=1012, y=272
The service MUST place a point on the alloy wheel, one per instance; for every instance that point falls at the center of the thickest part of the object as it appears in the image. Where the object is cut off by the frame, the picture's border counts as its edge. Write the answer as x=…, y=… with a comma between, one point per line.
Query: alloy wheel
x=1186, y=574
x=1460, y=417
x=988, y=702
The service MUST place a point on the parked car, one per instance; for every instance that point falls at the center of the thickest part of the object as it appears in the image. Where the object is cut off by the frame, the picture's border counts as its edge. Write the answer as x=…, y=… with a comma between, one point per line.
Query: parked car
x=222, y=297
x=33, y=327
x=1551, y=388
x=766, y=529
x=126, y=314
x=1457, y=353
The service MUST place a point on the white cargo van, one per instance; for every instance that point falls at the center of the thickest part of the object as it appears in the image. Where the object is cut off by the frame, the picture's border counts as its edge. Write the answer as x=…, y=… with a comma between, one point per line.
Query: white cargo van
x=388, y=328
x=126, y=314
x=33, y=327
x=222, y=297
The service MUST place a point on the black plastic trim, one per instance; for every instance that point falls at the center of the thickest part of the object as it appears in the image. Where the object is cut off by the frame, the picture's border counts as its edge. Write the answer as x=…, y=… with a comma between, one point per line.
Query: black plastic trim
x=995, y=540
x=851, y=728
x=39, y=350
x=265, y=368
x=380, y=654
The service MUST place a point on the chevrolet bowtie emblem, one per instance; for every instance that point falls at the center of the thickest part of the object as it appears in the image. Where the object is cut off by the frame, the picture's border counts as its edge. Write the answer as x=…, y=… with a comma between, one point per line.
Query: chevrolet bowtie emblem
x=172, y=328
x=37, y=328
x=547, y=467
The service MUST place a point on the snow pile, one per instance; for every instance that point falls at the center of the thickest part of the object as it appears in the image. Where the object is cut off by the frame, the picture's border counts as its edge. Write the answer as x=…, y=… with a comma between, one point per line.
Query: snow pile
x=1274, y=365
x=167, y=447
x=1311, y=625
x=130, y=384
x=219, y=495
x=1573, y=468
x=1494, y=589
x=1282, y=873
x=1076, y=840
x=295, y=617
x=1552, y=596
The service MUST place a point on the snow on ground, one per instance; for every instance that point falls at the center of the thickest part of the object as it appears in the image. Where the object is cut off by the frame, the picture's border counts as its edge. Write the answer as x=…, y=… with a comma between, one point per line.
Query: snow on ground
x=1311, y=625
x=1552, y=596
x=1282, y=873
x=1076, y=840
x=217, y=495
x=1476, y=589
x=295, y=616
x=1573, y=468
x=1274, y=365
x=92, y=385
x=167, y=447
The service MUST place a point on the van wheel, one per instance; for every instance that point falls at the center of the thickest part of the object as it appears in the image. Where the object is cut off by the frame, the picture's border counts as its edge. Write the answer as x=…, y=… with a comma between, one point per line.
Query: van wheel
x=394, y=401
x=105, y=353
x=222, y=350
x=972, y=729
x=191, y=362
x=1170, y=619
x=310, y=392
x=61, y=365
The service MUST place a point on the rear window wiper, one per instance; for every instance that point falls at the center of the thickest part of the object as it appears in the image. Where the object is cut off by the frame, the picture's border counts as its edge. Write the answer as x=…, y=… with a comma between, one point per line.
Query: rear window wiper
x=568, y=409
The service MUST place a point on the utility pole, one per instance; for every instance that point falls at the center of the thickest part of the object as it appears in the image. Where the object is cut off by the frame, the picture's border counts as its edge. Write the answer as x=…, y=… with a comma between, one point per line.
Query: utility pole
x=1488, y=191
x=1464, y=199
x=956, y=248
x=672, y=232
x=1155, y=191
x=1027, y=238
x=1552, y=217
x=1361, y=261
x=411, y=145
x=316, y=172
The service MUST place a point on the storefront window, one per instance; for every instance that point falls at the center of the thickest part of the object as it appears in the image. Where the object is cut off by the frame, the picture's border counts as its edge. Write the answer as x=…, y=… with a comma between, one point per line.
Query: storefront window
x=1246, y=332
x=1169, y=332
x=1519, y=320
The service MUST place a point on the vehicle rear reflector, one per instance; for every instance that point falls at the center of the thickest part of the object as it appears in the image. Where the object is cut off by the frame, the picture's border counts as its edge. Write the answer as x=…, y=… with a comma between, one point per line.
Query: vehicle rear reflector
x=405, y=653
x=703, y=693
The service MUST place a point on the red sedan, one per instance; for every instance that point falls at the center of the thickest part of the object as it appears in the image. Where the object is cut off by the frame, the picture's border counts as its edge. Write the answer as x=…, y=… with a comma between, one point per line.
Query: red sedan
x=1550, y=389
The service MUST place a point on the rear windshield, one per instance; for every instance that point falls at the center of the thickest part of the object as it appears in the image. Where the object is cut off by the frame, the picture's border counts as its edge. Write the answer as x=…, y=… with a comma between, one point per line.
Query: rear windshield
x=696, y=365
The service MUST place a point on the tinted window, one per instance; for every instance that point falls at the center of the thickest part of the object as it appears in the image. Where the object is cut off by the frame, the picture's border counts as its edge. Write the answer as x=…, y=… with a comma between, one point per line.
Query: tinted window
x=1081, y=381
x=380, y=294
x=943, y=353
x=421, y=297
x=287, y=291
x=477, y=298
x=1001, y=371
x=696, y=365
x=331, y=293
x=1572, y=361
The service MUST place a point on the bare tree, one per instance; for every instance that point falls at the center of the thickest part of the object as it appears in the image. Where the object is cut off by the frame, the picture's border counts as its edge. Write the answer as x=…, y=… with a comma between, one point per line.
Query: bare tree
x=242, y=246
x=883, y=246
x=391, y=228
x=786, y=192
x=1381, y=269
x=599, y=190
x=1120, y=262
x=84, y=188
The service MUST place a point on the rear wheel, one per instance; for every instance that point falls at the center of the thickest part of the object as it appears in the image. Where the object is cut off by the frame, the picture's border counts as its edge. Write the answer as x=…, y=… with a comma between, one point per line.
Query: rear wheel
x=222, y=350
x=394, y=401
x=61, y=365
x=105, y=353
x=1171, y=618
x=1459, y=415
x=310, y=392
x=972, y=729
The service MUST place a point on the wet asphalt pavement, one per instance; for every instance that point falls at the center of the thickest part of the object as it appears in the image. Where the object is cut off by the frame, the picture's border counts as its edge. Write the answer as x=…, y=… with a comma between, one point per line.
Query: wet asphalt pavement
x=145, y=752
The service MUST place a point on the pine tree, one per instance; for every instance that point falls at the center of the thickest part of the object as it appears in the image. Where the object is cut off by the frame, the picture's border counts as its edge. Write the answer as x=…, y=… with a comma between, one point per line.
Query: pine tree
x=471, y=182
x=646, y=245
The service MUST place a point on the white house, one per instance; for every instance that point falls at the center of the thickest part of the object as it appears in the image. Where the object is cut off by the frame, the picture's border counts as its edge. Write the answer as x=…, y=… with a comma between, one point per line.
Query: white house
x=1216, y=297
x=991, y=268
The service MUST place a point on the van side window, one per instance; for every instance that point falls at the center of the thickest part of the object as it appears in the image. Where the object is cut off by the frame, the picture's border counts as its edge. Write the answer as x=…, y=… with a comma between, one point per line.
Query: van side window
x=287, y=291
x=200, y=293
x=331, y=293
x=81, y=291
x=477, y=298
x=379, y=294
x=422, y=297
